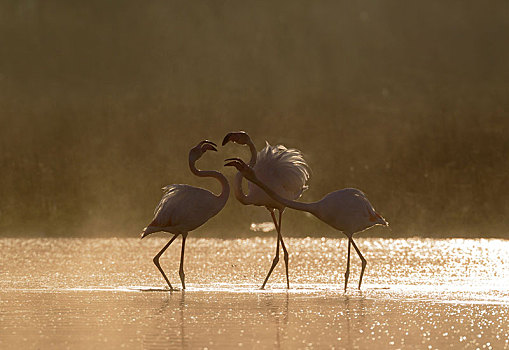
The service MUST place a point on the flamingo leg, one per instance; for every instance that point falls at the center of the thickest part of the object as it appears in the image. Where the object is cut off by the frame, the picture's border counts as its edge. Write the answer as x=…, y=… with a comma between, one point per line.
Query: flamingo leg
x=276, y=258
x=285, y=252
x=156, y=260
x=181, y=269
x=347, y=273
x=364, y=263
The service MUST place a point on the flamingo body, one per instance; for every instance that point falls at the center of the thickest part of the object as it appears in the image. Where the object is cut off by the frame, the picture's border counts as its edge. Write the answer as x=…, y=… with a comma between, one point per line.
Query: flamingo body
x=183, y=208
x=347, y=210
x=281, y=168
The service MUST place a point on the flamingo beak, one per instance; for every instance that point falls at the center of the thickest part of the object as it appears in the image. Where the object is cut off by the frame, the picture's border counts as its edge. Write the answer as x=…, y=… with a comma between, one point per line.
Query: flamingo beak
x=227, y=138
x=233, y=162
x=208, y=147
x=207, y=142
x=234, y=158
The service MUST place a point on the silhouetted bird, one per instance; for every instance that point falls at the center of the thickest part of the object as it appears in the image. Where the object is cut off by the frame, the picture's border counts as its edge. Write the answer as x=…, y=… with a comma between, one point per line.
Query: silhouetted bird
x=347, y=210
x=284, y=170
x=184, y=208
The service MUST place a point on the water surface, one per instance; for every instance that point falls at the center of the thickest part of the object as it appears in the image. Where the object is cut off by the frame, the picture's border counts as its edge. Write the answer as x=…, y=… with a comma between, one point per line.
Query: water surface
x=416, y=293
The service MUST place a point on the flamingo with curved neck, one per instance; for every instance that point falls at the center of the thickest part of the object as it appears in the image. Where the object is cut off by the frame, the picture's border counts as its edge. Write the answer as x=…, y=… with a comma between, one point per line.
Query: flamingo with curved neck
x=347, y=210
x=285, y=170
x=184, y=208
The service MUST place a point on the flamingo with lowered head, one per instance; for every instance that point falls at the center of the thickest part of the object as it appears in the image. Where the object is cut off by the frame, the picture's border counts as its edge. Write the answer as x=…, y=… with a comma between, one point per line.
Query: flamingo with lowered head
x=347, y=210
x=184, y=208
x=281, y=168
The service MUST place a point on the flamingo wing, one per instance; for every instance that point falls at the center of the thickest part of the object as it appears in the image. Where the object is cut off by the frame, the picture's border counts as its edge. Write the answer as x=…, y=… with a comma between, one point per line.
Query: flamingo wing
x=348, y=210
x=184, y=208
x=282, y=169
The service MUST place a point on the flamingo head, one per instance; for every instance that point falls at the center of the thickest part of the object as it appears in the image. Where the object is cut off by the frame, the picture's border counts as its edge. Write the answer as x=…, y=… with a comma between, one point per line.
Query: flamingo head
x=242, y=167
x=240, y=137
x=204, y=146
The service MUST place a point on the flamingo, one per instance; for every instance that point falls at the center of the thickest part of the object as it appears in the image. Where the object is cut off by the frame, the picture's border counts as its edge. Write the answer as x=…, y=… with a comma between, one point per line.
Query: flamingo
x=184, y=208
x=285, y=170
x=347, y=210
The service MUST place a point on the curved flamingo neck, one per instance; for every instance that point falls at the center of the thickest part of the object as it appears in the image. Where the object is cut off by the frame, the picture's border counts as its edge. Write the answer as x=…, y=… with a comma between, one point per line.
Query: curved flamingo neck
x=237, y=181
x=308, y=207
x=225, y=188
x=252, y=148
x=237, y=189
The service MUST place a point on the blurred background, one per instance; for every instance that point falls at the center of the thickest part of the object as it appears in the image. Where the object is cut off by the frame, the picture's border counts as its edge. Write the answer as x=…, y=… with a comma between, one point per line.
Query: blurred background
x=100, y=103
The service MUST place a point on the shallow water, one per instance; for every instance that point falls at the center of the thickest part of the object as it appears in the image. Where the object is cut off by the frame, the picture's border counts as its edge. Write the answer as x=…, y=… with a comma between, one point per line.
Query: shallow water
x=416, y=293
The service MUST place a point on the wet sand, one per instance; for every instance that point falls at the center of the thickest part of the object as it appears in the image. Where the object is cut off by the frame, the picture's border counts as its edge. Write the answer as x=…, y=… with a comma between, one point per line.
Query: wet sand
x=417, y=294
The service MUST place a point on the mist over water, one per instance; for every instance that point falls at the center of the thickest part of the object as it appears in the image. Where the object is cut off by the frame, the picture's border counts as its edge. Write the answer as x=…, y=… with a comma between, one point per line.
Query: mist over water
x=101, y=102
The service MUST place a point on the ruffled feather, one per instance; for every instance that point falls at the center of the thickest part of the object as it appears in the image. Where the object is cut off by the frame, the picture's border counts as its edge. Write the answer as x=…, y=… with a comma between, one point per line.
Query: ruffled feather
x=283, y=169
